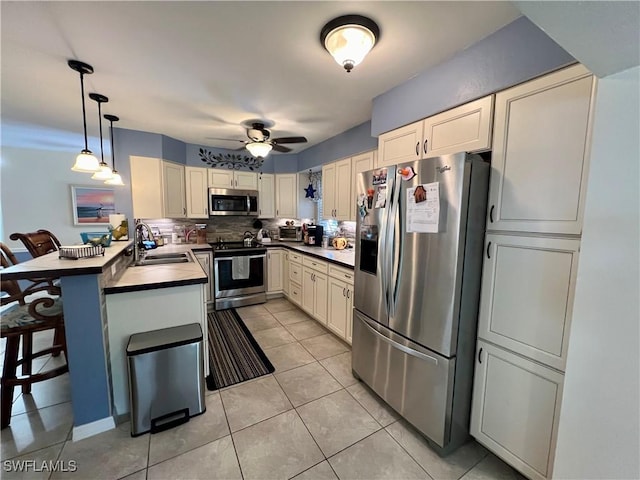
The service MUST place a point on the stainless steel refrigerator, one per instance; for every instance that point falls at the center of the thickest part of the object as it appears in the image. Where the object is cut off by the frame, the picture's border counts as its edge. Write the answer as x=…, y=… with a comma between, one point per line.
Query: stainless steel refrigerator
x=419, y=246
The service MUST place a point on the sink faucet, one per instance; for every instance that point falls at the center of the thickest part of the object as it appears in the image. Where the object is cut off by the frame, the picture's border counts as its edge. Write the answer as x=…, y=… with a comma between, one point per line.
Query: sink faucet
x=138, y=250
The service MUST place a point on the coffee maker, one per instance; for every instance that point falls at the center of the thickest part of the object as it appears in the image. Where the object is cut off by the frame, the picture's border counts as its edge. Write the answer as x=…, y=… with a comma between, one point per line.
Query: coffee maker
x=312, y=235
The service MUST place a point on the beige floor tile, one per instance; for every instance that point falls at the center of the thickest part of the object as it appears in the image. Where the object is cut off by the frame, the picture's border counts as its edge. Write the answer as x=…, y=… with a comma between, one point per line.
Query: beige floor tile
x=492, y=468
x=139, y=475
x=286, y=357
x=252, y=311
x=291, y=316
x=199, y=430
x=280, y=447
x=12, y=470
x=109, y=455
x=307, y=383
x=44, y=394
x=451, y=467
x=36, y=430
x=324, y=346
x=261, y=322
x=340, y=367
x=337, y=421
x=306, y=329
x=249, y=403
x=273, y=337
x=376, y=457
x=279, y=305
x=322, y=471
x=215, y=460
x=373, y=404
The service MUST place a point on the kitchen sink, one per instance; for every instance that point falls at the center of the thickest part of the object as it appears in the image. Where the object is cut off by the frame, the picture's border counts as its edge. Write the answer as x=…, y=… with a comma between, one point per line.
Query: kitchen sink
x=164, y=258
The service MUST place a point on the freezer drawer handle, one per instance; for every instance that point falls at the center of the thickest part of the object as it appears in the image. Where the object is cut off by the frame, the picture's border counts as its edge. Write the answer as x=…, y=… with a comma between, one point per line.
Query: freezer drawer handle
x=480, y=355
x=489, y=250
x=407, y=350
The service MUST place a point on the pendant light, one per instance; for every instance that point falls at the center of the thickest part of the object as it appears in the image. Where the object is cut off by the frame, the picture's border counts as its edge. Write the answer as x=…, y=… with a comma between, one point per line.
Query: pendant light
x=349, y=38
x=115, y=179
x=85, y=161
x=259, y=149
x=105, y=171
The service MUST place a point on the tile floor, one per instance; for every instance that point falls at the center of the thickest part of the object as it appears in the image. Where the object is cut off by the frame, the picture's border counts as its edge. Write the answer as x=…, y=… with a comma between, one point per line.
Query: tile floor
x=310, y=419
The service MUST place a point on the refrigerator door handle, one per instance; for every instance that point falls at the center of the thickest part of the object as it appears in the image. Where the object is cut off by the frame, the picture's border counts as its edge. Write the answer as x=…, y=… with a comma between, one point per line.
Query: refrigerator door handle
x=403, y=348
x=383, y=255
x=396, y=245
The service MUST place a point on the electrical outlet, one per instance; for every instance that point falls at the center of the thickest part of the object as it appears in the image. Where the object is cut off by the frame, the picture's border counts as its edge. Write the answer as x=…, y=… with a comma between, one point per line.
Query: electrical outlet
x=113, y=270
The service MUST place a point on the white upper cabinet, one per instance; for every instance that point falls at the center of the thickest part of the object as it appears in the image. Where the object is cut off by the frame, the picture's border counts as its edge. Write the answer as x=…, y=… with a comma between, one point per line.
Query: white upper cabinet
x=540, y=154
x=360, y=163
x=336, y=190
x=196, y=192
x=173, y=190
x=286, y=195
x=266, y=195
x=526, y=304
x=157, y=188
x=220, y=178
x=466, y=128
x=403, y=144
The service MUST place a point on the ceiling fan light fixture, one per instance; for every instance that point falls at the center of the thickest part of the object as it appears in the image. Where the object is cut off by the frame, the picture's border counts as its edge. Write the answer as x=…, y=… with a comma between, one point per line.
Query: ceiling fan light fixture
x=349, y=39
x=259, y=149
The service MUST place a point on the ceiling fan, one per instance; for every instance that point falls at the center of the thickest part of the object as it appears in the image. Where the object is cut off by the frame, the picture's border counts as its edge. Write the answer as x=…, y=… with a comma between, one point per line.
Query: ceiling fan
x=260, y=142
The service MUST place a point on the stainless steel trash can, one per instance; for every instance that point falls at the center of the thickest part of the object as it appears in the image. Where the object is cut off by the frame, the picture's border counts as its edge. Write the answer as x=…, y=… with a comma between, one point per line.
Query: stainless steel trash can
x=166, y=378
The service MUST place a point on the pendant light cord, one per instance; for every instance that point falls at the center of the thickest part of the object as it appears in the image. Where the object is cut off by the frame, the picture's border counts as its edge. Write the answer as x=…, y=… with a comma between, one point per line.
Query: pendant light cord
x=113, y=154
x=100, y=123
x=84, y=113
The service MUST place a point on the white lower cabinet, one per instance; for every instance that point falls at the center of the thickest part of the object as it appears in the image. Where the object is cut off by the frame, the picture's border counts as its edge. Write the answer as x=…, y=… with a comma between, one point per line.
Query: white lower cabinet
x=340, y=302
x=286, y=282
x=515, y=409
x=314, y=294
x=274, y=271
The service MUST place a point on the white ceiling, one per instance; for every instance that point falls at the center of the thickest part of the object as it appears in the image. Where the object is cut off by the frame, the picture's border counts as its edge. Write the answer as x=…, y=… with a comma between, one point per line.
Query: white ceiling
x=192, y=70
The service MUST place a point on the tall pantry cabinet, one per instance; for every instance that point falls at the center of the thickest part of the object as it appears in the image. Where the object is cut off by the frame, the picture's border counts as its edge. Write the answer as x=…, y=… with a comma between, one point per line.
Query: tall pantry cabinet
x=536, y=200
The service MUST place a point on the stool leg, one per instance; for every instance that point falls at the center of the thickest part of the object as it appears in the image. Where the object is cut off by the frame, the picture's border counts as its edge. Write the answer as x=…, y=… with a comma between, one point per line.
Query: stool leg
x=58, y=339
x=27, y=351
x=8, y=372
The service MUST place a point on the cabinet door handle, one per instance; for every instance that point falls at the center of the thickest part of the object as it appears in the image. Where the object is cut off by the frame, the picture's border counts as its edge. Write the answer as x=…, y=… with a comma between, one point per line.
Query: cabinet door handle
x=491, y=213
x=344, y=292
x=184, y=210
x=348, y=292
x=425, y=146
x=488, y=250
x=418, y=149
x=480, y=355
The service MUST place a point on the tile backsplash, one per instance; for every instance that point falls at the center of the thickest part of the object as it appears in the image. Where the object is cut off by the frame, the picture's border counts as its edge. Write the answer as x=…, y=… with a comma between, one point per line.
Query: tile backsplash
x=232, y=228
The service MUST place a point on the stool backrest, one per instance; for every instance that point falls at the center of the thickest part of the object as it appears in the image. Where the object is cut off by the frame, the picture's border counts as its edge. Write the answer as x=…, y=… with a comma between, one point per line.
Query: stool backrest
x=11, y=287
x=38, y=243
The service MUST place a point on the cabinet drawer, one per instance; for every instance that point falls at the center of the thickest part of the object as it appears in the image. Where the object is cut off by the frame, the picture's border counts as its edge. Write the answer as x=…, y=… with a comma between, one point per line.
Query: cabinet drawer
x=295, y=273
x=295, y=293
x=516, y=405
x=295, y=257
x=343, y=274
x=318, y=265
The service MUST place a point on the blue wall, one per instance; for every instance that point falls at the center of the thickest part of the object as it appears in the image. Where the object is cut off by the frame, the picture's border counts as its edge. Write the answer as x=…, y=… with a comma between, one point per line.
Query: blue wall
x=173, y=150
x=355, y=140
x=274, y=163
x=516, y=53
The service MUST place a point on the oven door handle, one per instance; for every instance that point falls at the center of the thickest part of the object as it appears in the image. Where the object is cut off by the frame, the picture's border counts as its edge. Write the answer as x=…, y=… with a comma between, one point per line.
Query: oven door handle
x=218, y=259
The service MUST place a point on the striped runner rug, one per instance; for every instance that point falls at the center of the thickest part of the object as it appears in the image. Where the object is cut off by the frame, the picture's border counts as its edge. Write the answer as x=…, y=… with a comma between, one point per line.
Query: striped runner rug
x=234, y=355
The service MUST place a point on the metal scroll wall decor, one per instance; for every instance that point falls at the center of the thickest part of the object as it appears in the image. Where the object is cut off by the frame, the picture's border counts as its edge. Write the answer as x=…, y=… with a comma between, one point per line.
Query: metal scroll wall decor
x=231, y=161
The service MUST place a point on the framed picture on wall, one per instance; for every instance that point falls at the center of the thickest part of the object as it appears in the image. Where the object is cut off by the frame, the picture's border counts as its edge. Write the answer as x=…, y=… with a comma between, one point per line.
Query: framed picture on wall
x=92, y=205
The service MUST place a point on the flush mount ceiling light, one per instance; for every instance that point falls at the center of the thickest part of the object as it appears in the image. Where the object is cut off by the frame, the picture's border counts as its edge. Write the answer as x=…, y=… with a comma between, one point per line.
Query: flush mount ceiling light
x=105, y=171
x=259, y=149
x=85, y=161
x=115, y=179
x=349, y=38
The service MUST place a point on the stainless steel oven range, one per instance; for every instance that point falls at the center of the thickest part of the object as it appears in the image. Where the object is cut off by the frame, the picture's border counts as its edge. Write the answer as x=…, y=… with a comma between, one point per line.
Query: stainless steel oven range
x=240, y=274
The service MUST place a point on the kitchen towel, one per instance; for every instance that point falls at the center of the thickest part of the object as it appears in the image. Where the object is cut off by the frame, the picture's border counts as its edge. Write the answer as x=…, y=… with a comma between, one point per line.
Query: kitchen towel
x=240, y=268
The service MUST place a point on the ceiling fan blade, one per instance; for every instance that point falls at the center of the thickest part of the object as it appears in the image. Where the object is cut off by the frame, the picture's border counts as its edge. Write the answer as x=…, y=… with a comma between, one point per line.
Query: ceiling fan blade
x=225, y=139
x=280, y=148
x=290, y=140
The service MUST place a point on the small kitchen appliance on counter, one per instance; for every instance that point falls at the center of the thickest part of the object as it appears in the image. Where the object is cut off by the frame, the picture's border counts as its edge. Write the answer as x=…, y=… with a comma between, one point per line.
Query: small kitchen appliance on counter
x=290, y=233
x=312, y=234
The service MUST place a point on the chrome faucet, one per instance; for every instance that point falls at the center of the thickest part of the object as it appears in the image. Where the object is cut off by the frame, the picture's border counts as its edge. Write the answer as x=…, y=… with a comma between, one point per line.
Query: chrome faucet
x=138, y=251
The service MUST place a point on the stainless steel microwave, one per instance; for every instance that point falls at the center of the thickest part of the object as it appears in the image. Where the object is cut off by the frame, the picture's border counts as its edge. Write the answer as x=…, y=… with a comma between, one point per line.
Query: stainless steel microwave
x=224, y=201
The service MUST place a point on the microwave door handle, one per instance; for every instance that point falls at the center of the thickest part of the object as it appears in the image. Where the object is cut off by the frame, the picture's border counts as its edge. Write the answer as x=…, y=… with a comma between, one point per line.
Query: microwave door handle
x=248, y=204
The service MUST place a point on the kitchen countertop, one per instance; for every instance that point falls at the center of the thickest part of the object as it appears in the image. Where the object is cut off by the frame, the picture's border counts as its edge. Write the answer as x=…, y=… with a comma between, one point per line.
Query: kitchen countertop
x=344, y=258
x=50, y=265
x=151, y=277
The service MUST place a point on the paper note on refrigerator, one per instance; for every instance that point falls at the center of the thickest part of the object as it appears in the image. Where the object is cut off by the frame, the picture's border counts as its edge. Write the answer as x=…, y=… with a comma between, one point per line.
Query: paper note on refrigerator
x=423, y=208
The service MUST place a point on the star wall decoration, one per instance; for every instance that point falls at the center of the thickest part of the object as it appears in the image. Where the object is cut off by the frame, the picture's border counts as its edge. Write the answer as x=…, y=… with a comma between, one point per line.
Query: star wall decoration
x=310, y=191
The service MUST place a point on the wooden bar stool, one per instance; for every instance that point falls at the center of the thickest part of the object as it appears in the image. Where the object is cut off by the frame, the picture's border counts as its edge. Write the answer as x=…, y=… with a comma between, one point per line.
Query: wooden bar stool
x=23, y=316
